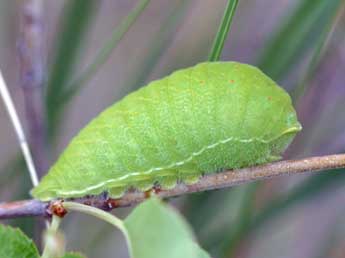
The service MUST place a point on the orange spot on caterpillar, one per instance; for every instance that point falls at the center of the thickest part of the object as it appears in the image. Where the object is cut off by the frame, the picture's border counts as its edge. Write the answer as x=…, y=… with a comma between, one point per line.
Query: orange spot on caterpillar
x=231, y=81
x=269, y=98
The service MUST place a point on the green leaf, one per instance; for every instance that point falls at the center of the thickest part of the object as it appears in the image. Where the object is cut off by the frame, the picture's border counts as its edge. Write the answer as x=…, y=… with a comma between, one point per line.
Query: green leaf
x=152, y=230
x=223, y=30
x=201, y=253
x=105, y=52
x=15, y=244
x=156, y=230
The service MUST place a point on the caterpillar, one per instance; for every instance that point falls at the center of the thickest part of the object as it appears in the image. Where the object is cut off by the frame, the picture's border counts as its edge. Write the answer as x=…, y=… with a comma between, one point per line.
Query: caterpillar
x=198, y=120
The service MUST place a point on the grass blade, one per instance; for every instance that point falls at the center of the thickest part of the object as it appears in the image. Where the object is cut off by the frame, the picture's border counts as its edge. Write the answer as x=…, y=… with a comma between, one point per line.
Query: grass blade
x=312, y=188
x=321, y=46
x=223, y=30
x=291, y=42
x=74, y=24
x=245, y=216
x=105, y=52
x=159, y=43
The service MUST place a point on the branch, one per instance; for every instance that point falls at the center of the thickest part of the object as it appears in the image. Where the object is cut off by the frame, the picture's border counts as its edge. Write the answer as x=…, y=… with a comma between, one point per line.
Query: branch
x=207, y=182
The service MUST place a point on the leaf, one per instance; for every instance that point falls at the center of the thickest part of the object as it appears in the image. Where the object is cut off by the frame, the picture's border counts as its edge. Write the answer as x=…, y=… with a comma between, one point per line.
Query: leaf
x=223, y=30
x=151, y=230
x=156, y=230
x=15, y=244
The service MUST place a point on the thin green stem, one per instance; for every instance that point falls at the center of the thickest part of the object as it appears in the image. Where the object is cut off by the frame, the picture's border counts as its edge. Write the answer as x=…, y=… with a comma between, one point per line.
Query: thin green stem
x=223, y=30
x=49, y=246
x=98, y=213
x=105, y=52
x=55, y=223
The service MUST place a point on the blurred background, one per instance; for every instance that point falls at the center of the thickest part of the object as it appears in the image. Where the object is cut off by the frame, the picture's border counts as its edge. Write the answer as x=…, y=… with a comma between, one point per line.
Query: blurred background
x=65, y=61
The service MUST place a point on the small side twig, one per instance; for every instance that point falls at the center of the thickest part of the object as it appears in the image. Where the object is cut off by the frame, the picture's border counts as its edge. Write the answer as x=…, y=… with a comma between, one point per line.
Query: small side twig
x=6, y=97
x=207, y=182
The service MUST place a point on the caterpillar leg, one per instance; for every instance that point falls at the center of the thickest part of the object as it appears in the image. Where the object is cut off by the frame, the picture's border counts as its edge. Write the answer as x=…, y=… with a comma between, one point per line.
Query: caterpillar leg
x=117, y=192
x=189, y=176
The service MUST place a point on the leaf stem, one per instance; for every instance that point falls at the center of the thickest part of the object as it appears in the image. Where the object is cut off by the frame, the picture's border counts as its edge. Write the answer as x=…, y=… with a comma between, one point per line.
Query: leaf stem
x=105, y=216
x=51, y=238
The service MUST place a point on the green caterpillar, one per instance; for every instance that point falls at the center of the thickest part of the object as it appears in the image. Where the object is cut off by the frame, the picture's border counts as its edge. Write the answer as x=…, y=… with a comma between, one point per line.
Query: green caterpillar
x=202, y=119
